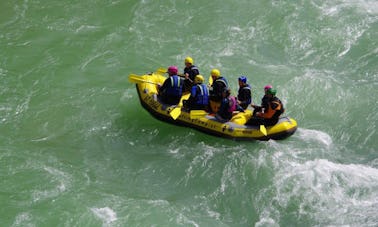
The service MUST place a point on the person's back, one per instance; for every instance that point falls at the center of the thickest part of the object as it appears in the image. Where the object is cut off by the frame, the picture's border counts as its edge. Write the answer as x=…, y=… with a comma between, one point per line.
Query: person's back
x=273, y=111
x=190, y=72
x=227, y=107
x=199, y=96
x=171, y=91
x=244, y=93
x=219, y=84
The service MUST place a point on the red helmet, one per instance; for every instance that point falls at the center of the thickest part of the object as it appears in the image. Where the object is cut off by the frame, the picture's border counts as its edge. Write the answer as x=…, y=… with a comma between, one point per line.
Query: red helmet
x=172, y=70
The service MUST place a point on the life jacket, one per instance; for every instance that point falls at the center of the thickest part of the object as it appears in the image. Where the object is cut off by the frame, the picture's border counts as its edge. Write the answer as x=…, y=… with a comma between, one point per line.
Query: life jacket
x=242, y=94
x=175, y=88
x=193, y=71
x=273, y=113
x=223, y=81
x=202, y=94
x=232, y=104
x=218, y=86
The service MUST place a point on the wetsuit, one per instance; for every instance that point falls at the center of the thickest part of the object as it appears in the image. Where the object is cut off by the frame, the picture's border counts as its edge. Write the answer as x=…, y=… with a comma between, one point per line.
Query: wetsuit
x=244, y=96
x=217, y=88
x=193, y=71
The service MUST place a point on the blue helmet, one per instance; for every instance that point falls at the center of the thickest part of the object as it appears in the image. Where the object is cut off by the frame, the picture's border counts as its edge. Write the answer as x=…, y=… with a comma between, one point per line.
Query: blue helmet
x=243, y=79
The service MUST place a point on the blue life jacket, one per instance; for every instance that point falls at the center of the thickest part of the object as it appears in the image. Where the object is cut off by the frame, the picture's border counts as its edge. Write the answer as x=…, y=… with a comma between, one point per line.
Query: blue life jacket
x=175, y=88
x=201, y=94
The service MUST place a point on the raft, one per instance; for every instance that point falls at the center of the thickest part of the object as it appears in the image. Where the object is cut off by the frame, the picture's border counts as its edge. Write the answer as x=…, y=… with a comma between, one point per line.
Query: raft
x=147, y=89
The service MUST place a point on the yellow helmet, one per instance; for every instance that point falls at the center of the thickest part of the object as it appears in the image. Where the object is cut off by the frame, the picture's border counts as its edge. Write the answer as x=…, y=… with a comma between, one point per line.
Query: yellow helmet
x=189, y=60
x=199, y=79
x=215, y=72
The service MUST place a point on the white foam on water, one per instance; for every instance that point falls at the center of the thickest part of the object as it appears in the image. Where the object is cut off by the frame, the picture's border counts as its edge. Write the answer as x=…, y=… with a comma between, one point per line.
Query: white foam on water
x=331, y=193
x=23, y=219
x=106, y=214
x=183, y=220
x=64, y=180
x=310, y=135
x=266, y=221
x=333, y=8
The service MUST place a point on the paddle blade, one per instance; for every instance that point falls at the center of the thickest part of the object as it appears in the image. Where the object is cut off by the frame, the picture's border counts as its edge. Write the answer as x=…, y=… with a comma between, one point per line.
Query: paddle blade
x=161, y=71
x=194, y=114
x=210, y=80
x=175, y=113
x=263, y=130
x=135, y=79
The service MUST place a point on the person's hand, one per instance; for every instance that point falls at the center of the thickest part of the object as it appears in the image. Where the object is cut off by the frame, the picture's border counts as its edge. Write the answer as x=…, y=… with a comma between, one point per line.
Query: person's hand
x=186, y=76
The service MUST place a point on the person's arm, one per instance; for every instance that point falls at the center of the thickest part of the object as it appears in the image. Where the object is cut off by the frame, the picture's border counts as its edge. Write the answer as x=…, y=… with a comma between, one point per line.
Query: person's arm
x=165, y=84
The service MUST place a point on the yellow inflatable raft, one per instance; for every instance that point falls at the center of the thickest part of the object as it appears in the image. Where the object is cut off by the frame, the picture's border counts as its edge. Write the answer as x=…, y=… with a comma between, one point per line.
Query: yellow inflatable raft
x=234, y=129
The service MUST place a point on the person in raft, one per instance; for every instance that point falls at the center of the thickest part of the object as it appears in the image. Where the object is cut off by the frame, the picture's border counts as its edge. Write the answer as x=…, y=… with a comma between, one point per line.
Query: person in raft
x=190, y=72
x=244, y=93
x=219, y=84
x=264, y=101
x=228, y=105
x=269, y=114
x=199, y=95
x=171, y=90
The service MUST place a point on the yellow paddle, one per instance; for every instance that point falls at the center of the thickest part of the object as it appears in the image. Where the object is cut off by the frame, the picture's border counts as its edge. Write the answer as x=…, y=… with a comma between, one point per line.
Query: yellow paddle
x=175, y=113
x=161, y=71
x=263, y=130
x=210, y=80
x=137, y=79
x=194, y=114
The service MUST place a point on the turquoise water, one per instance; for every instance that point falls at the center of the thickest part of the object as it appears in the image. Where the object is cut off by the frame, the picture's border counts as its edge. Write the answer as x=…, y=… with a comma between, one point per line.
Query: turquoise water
x=77, y=149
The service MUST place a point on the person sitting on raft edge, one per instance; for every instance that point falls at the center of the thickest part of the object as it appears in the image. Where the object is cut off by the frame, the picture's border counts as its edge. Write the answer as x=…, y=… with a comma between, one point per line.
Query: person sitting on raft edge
x=244, y=93
x=190, y=72
x=199, y=96
x=228, y=105
x=270, y=113
x=171, y=90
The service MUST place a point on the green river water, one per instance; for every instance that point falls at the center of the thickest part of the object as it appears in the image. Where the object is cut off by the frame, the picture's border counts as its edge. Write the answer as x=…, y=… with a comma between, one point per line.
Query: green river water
x=77, y=148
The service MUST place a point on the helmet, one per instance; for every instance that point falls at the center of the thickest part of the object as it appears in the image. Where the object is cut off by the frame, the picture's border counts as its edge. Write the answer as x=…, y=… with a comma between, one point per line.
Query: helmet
x=172, y=70
x=215, y=72
x=271, y=91
x=267, y=87
x=243, y=79
x=189, y=60
x=198, y=79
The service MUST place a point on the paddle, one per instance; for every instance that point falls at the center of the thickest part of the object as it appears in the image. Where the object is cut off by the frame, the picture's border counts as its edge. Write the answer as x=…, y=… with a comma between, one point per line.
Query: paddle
x=210, y=80
x=262, y=127
x=137, y=79
x=194, y=114
x=161, y=71
x=263, y=130
x=175, y=113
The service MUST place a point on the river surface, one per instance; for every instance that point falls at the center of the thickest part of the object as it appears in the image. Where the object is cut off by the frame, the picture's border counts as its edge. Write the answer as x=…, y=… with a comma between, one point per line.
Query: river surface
x=77, y=148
